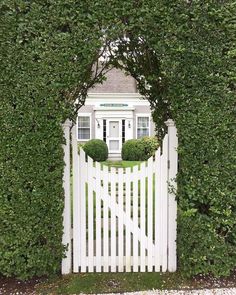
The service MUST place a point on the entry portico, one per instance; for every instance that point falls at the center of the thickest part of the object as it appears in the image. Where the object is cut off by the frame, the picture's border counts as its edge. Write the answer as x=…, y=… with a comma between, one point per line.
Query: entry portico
x=114, y=118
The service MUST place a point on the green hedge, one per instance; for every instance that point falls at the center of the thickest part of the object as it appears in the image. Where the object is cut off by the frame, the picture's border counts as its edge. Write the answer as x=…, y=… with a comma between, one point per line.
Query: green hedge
x=186, y=54
x=96, y=149
x=31, y=202
x=187, y=57
x=43, y=57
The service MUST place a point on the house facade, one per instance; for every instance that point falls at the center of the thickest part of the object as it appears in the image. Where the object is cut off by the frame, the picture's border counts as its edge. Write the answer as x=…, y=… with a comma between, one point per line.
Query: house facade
x=115, y=112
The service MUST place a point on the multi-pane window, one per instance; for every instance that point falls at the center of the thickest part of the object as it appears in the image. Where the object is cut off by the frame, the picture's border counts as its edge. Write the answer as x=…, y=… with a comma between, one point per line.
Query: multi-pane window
x=142, y=126
x=83, y=127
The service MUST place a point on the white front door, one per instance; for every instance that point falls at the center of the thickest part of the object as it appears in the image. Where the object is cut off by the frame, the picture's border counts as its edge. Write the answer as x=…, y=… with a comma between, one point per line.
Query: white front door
x=114, y=136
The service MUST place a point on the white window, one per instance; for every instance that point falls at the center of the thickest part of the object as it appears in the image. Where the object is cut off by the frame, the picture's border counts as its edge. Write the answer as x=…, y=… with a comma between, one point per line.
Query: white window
x=84, y=128
x=143, y=126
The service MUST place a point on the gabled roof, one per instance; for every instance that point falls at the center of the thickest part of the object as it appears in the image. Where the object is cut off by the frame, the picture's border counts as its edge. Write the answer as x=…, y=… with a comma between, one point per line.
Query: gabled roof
x=117, y=82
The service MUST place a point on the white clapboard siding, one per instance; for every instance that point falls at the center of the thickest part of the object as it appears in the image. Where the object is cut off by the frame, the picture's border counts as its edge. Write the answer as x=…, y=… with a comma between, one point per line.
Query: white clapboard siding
x=125, y=219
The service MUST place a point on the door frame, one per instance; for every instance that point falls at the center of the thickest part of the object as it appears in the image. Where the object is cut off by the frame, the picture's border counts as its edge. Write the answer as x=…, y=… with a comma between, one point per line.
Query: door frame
x=108, y=138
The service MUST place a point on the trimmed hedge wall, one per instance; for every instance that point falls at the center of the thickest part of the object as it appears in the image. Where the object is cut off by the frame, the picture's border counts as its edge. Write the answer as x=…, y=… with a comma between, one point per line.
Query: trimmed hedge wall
x=31, y=203
x=187, y=57
x=43, y=57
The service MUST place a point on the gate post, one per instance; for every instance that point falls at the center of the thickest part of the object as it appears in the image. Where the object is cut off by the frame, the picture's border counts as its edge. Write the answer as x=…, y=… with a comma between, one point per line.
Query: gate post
x=172, y=203
x=66, y=238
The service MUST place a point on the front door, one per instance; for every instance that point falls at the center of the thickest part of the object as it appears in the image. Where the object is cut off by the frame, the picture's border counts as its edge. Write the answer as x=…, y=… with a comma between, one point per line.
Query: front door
x=114, y=136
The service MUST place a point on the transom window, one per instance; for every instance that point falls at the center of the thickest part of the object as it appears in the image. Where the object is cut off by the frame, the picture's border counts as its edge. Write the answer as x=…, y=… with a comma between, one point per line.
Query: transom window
x=84, y=128
x=143, y=127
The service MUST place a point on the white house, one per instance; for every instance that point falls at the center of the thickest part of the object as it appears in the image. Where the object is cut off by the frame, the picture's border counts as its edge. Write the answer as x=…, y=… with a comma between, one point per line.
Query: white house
x=115, y=112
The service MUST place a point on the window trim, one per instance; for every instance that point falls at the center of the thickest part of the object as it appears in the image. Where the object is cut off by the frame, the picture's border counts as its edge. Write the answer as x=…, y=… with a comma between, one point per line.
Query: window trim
x=90, y=126
x=142, y=115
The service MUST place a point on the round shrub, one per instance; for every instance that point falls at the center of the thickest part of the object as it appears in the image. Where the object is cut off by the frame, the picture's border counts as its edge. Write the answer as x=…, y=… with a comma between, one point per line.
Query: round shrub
x=139, y=149
x=148, y=146
x=131, y=150
x=96, y=149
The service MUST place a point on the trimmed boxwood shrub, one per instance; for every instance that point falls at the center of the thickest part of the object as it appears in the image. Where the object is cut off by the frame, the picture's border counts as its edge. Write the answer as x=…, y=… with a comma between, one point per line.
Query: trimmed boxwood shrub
x=139, y=149
x=148, y=144
x=131, y=150
x=96, y=149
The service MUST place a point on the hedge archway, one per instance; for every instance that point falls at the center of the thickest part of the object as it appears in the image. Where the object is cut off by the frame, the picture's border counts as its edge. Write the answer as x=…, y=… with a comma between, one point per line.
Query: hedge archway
x=182, y=55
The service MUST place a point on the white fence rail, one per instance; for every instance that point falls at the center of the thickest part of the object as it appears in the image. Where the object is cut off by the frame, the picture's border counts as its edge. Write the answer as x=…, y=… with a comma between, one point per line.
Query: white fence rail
x=124, y=219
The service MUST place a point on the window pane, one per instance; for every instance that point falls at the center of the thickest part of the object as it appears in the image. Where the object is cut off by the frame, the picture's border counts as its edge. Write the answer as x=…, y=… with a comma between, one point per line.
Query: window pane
x=83, y=122
x=142, y=132
x=114, y=145
x=143, y=122
x=83, y=133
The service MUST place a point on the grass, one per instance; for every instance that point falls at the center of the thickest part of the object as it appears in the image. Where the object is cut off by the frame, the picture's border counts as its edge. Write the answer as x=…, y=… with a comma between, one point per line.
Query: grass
x=112, y=283
x=121, y=164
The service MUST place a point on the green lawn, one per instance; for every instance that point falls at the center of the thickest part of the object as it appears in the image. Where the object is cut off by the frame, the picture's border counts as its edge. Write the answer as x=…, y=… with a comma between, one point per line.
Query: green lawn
x=112, y=283
x=121, y=164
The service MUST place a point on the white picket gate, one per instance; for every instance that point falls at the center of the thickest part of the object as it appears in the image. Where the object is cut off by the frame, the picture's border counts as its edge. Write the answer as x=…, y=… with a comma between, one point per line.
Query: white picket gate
x=123, y=219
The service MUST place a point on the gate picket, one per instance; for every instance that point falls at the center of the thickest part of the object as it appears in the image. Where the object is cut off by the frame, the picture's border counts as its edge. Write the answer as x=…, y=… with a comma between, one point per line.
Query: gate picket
x=83, y=238
x=113, y=220
x=90, y=215
x=150, y=212
x=98, y=217
x=105, y=220
x=158, y=230
x=135, y=217
x=127, y=228
x=142, y=244
x=120, y=221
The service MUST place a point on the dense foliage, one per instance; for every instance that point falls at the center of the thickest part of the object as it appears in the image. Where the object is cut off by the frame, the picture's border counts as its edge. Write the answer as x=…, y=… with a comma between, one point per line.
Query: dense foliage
x=45, y=62
x=148, y=144
x=139, y=149
x=182, y=55
x=131, y=151
x=96, y=149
